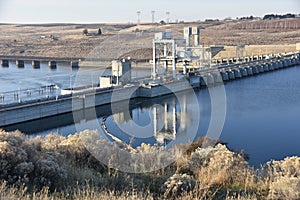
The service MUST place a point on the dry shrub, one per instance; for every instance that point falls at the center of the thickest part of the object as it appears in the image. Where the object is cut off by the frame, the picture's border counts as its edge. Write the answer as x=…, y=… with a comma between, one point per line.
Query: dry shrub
x=219, y=166
x=217, y=171
x=26, y=163
x=57, y=167
x=177, y=185
x=49, y=172
x=183, y=162
x=284, y=178
x=75, y=151
x=15, y=167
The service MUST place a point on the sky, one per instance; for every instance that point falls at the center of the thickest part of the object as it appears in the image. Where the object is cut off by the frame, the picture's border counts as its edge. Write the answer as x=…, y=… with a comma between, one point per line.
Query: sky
x=98, y=11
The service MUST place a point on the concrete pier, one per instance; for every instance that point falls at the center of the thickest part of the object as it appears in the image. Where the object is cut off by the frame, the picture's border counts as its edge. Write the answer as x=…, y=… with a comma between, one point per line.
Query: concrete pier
x=249, y=71
x=52, y=64
x=224, y=75
x=36, y=64
x=244, y=72
x=237, y=73
x=4, y=63
x=266, y=68
x=270, y=66
x=255, y=70
x=231, y=75
x=261, y=69
x=75, y=64
x=20, y=63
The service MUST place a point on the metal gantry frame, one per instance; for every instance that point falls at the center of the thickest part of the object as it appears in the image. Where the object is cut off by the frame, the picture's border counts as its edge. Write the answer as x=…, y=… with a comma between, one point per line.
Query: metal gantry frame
x=165, y=50
x=169, y=50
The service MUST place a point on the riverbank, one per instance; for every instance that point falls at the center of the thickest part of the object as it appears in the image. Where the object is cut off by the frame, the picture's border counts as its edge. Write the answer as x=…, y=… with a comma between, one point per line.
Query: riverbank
x=57, y=167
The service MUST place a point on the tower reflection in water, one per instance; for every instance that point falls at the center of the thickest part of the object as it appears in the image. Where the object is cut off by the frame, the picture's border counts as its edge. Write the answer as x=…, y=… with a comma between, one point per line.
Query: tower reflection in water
x=155, y=124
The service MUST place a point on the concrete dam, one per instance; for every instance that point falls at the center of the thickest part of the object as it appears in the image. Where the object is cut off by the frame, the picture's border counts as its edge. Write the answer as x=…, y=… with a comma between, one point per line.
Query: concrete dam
x=90, y=97
x=176, y=56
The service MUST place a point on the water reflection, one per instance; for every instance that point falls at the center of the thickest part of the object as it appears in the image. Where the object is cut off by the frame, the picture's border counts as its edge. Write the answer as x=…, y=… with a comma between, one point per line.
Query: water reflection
x=161, y=121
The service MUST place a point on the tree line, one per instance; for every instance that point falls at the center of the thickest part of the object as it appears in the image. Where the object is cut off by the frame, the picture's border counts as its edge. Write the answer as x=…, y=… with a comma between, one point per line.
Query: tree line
x=275, y=16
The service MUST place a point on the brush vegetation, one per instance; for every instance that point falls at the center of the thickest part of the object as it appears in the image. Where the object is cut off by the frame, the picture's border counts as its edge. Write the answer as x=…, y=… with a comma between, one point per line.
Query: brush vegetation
x=57, y=167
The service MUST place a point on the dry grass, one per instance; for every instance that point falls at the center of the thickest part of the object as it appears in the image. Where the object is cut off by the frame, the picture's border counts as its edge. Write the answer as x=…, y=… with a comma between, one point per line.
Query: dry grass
x=254, y=50
x=57, y=167
x=26, y=40
x=284, y=177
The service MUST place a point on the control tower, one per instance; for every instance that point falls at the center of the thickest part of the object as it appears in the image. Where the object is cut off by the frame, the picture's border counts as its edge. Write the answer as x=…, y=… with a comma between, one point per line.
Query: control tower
x=121, y=73
x=192, y=36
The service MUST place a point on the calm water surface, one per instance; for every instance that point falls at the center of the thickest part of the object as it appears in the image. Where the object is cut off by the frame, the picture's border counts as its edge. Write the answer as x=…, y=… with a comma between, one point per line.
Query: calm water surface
x=21, y=80
x=262, y=115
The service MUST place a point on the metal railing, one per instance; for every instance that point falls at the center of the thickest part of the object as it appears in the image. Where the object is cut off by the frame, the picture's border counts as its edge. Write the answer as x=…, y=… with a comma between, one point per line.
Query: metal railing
x=29, y=94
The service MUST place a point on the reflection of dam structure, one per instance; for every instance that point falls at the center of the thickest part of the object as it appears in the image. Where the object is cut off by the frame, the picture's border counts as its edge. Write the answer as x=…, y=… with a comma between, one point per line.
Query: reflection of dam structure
x=170, y=118
x=168, y=121
x=169, y=130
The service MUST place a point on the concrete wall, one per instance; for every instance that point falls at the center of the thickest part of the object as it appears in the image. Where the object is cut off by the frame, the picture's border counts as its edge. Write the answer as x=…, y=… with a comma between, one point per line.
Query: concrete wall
x=106, y=81
x=45, y=109
x=34, y=111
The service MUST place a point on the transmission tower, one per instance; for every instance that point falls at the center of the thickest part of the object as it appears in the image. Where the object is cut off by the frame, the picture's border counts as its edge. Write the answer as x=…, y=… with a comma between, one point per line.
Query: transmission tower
x=168, y=17
x=138, y=17
x=153, y=16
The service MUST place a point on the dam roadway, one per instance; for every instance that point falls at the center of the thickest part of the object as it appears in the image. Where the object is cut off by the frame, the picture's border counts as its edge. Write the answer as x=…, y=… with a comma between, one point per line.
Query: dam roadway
x=91, y=97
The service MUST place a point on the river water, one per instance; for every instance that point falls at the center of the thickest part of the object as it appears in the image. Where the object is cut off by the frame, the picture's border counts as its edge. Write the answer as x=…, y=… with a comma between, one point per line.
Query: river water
x=30, y=83
x=262, y=113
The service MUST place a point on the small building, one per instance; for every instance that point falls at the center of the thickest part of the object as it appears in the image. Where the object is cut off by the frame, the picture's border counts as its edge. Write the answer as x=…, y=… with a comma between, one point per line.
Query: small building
x=120, y=74
x=122, y=70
